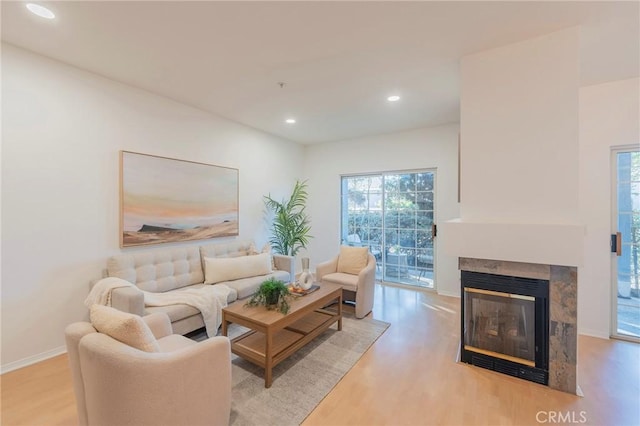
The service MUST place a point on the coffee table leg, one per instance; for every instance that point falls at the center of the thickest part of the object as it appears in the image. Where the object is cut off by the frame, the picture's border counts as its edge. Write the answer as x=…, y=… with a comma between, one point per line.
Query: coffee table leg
x=268, y=360
x=340, y=312
x=224, y=324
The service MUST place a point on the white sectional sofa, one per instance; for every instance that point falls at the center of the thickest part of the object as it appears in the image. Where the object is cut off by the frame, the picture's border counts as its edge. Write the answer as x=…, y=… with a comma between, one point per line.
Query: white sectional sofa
x=162, y=270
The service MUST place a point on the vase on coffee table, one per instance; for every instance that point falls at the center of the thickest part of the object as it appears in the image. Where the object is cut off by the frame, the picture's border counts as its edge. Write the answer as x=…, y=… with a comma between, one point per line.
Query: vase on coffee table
x=305, y=281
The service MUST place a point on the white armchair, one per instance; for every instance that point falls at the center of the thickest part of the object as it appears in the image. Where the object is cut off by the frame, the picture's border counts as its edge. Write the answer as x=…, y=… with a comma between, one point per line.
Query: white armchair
x=182, y=382
x=358, y=277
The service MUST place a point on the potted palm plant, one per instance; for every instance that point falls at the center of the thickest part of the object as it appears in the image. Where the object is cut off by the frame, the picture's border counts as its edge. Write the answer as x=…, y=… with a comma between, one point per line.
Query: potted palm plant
x=273, y=294
x=290, y=228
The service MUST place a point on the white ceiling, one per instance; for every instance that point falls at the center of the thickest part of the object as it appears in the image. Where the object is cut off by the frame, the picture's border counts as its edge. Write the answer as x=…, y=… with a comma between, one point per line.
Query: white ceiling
x=339, y=60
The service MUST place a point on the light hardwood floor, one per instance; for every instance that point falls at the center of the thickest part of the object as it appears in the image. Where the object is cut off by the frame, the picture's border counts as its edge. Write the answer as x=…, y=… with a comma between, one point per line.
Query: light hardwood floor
x=408, y=377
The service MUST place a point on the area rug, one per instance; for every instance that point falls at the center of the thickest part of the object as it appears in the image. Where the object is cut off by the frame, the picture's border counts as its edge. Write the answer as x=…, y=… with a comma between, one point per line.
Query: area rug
x=301, y=381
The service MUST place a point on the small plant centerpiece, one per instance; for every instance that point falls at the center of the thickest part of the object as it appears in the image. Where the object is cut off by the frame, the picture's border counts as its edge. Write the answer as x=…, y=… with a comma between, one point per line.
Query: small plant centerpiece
x=273, y=294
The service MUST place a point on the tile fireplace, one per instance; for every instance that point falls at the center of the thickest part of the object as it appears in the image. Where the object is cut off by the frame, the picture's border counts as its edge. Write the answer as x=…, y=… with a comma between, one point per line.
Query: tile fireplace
x=520, y=319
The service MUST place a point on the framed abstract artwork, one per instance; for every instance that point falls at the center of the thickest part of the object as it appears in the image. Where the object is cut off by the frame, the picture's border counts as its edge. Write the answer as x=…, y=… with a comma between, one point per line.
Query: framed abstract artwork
x=166, y=200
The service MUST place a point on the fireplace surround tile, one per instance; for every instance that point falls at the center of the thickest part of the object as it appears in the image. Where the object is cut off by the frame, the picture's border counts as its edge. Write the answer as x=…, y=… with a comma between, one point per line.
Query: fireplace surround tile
x=563, y=294
x=563, y=315
x=501, y=267
x=563, y=330
x=563, y=357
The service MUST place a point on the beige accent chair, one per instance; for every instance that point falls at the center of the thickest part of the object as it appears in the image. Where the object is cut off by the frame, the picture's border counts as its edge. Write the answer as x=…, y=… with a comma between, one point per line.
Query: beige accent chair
x=358, y=282
x=185, y=383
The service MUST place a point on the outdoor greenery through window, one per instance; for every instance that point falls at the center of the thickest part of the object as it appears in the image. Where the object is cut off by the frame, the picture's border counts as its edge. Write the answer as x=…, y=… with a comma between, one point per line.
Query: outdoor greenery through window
x=392, y=214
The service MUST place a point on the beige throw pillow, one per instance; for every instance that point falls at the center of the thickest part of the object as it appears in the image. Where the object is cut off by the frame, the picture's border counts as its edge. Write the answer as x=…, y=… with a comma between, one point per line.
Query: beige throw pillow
x=265, y=249
x=127, y=328
x=352, y=260
x=217, y=269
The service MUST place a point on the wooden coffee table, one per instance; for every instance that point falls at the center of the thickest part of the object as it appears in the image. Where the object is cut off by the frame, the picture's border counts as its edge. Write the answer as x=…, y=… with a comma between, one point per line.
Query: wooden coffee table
x=273, y=336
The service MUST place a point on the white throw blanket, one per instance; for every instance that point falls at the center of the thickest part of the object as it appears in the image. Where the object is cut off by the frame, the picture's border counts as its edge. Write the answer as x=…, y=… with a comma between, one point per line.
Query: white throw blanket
x=209, y=300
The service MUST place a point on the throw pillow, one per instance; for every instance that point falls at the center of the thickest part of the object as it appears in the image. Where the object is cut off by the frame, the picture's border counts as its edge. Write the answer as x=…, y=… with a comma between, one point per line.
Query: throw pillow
x=127, y=328
x=265, y=249
x=218, y=270
x=352, y=260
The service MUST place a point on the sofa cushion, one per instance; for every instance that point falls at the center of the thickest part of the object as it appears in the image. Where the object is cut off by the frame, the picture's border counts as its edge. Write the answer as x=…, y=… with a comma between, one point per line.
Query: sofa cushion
x=225, y=269
x=352, y=260
x=174, y=312
x=127, y=328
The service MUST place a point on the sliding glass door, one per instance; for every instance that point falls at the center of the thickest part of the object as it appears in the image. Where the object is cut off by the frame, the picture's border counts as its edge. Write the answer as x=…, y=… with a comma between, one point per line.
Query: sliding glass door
x=626, y=215
x=393, y=215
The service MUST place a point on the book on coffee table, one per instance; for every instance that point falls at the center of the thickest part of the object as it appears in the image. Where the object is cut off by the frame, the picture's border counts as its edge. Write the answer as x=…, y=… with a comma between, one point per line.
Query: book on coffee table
x=297, y=291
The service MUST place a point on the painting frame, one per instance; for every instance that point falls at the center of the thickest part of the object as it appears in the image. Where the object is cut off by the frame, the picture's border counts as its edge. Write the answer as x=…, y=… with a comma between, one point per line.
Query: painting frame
x=167, y=200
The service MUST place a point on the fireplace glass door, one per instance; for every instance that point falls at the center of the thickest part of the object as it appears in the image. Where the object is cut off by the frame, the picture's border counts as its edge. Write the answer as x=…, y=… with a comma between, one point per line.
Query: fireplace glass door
x=501, y=325
x=505, y=324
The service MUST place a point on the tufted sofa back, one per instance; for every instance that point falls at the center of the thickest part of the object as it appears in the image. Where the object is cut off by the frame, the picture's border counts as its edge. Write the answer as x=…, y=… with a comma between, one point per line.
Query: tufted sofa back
x=233, y=249
x=167, y=269
x=159, y=270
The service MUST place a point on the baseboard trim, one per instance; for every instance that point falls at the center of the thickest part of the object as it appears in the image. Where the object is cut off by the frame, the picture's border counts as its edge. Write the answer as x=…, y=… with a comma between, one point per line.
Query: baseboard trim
x=592, y=333
x=15, y=365
x=450, y=294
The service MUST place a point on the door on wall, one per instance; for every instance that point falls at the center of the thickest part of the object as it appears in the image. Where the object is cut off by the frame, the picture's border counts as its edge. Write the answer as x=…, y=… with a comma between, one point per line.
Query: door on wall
x=626, y=245
x=393, y=215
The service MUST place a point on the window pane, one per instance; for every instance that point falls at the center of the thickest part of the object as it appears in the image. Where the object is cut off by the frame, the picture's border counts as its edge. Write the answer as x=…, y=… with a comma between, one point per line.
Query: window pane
x=424, y=219
x=407, y=182
x=375, y=200
x=407, y=219
x=391, y=219
x=407, y=239
x=424, y=181
x=411, y=256
x=375, y=235
x=424, y=200
x=375, y=219
x=390, y=238
x=424, y=238
x=391, y=183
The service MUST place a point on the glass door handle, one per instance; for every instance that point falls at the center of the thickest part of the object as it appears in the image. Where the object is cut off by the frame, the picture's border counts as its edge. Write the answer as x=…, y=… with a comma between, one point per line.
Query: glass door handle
x=616, y=243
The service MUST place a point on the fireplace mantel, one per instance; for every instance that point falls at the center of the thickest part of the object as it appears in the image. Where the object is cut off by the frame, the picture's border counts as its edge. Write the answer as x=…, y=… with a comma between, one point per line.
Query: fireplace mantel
x=538, y=243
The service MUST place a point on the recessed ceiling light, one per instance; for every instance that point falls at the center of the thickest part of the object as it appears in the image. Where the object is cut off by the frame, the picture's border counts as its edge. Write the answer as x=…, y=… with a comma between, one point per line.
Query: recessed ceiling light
x=41, y=11
x=393, y=98
x=290, y=120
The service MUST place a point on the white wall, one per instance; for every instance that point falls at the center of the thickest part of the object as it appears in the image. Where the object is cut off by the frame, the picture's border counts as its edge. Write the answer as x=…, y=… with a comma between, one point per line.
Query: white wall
x=519, y=127
x=609, y=117
x=62, y=130
x=519, y=154
x=418, y=149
